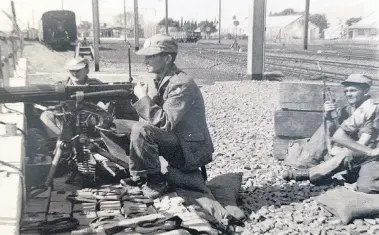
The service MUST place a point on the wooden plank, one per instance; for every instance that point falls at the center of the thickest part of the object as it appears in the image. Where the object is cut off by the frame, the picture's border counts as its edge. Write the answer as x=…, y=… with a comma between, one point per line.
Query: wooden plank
x=308, y=95
x=297, y=123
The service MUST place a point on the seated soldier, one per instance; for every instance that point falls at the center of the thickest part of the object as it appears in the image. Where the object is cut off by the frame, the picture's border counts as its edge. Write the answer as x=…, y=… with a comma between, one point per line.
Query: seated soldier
x=79, y=69
x=356, y=88
x=175, y=124
x=359, y=134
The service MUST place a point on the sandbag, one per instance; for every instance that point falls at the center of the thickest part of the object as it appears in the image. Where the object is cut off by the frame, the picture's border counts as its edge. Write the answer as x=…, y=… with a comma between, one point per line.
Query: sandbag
x=205, y=204
x=349, y=205
x=188, y=180
x=225, y=188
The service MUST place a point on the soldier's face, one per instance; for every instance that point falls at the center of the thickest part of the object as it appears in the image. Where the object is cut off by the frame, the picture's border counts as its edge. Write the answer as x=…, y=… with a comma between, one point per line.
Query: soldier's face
x=355, y=94
x=79, y=75
x=156, y=63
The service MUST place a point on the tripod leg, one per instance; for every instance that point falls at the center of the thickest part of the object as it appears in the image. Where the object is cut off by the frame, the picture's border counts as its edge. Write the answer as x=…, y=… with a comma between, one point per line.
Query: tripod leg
x=54, y=164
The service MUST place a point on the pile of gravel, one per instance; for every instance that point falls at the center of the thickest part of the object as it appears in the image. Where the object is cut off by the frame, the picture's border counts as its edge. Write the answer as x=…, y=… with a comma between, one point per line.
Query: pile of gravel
x=240, y=117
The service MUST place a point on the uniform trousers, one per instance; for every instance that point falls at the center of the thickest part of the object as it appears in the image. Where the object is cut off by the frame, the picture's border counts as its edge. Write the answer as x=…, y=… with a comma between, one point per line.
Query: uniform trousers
x=147, y=143
x=366, y=175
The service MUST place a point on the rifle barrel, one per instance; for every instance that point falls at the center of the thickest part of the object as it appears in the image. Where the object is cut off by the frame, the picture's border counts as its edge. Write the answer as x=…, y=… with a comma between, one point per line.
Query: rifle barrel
x=58, y=92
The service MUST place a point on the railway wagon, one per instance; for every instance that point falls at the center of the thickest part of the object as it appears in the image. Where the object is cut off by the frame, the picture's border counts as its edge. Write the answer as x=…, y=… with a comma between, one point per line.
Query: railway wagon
x=30, y=34
x=58, y=29
x=186, y=36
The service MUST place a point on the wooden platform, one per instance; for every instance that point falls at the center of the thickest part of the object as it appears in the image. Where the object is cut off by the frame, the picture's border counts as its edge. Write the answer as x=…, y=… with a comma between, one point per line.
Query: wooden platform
x=300, y=113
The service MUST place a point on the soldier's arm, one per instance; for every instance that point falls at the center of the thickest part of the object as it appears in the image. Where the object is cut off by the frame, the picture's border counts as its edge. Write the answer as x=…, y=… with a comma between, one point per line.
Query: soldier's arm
x=179, y=101
x=359, y=146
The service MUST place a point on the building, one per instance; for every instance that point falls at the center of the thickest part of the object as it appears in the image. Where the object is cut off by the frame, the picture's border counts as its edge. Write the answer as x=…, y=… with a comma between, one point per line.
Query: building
x=278, y=28
x=365, y=29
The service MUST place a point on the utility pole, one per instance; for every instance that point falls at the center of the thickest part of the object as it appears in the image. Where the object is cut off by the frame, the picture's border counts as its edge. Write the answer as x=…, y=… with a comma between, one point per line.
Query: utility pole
x=62, y=4
x=33, y=18
x=306, y=21
x=125, y=20
x=219, y=21
x=136, y=26
x=256, y=40
x=166, y=18
x=96, y=34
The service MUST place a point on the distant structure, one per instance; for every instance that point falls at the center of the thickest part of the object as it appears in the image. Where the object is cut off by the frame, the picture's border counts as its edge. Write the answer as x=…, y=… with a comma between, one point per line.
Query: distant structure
x=365, y=29
x=110, y=31
x=278, y=28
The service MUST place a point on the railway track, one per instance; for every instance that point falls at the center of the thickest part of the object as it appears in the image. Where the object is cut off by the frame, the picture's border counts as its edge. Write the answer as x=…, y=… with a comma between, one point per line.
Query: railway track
x=340, y=51
x=306, y=67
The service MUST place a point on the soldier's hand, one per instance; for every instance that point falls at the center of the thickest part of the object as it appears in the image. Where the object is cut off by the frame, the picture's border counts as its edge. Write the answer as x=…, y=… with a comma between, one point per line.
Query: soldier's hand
x=329, y=106
x=141, y=89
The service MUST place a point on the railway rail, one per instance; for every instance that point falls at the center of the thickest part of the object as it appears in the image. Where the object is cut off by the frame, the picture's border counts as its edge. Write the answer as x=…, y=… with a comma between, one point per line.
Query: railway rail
x=287, y=64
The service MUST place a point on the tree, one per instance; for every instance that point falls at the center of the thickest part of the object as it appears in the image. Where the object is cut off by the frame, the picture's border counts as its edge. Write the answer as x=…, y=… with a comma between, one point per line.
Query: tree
x=171, y=23
x=320, y=21
x=286, y=12
x=119, y=19
x=207, y=27
x=189, y=26
x=85, y=25
x=352, y=20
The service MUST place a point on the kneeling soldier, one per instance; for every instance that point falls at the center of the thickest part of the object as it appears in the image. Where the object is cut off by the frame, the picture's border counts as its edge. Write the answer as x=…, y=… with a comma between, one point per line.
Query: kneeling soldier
x=175, y=124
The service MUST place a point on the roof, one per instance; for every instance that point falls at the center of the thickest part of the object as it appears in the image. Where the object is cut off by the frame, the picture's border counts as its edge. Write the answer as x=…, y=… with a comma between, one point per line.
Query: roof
x=369, y=22
x=272, y=21
x=281, y=21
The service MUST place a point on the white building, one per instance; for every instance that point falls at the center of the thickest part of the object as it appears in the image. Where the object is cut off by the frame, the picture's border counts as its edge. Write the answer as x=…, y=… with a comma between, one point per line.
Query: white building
x=365, y=29
x=278, y=27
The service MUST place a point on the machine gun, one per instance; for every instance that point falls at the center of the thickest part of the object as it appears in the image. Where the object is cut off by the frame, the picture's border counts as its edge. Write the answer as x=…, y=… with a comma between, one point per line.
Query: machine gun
x=78, y=138
x=60, y=92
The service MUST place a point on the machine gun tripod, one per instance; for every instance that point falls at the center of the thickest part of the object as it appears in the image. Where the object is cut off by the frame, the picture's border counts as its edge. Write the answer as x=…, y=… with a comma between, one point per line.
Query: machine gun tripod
x=83, y=121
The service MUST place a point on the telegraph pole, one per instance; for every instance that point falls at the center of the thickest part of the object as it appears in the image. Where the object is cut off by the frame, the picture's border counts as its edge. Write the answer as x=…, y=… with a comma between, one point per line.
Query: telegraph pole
x=136, y=26
x=306, y=21
x=96, y=32
x=62, y=4
x=219, y=21
x=256, y=41
x=166, y=18
x=125, y=20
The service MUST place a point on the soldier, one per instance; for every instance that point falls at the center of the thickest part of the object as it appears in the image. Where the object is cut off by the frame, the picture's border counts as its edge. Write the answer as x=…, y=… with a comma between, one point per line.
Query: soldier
x=356, y=89
x=79, y=69
x=359, y=134
x=175, y=124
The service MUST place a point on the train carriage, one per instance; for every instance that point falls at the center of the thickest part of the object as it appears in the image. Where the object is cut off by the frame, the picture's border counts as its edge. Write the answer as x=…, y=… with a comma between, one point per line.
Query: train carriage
x=58, y=29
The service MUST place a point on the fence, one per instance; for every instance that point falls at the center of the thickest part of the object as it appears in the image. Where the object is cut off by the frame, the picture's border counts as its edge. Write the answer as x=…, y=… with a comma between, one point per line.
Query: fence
x=11, y=49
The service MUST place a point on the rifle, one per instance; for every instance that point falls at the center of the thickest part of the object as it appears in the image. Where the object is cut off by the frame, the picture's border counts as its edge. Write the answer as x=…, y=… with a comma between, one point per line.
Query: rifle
x=328, y=140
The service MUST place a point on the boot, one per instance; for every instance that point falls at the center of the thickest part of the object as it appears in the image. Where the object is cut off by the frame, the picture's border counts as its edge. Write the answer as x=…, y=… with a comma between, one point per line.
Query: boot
x=155, y=186
x=297, y=175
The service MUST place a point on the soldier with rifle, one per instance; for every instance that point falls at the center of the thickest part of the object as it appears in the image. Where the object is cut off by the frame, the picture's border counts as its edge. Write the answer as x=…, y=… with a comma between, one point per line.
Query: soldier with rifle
x=358, y=136
x=319, y=148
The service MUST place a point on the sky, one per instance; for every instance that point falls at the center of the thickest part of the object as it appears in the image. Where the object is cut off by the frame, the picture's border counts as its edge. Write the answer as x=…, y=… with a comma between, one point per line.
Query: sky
x=30, y=11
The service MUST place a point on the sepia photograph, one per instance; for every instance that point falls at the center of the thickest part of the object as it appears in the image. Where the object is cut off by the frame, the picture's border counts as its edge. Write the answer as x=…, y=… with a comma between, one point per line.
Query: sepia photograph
x=178, y=117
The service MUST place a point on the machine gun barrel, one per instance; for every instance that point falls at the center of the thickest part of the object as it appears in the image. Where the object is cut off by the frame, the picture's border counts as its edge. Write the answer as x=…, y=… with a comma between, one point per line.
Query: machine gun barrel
x=59, y=92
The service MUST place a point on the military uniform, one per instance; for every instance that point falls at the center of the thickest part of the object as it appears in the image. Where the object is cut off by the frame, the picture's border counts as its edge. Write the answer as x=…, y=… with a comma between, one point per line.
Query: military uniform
x=362, y=169
x=314, y=150
x=174, y=120
x=175, y=127
x=363, y=120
